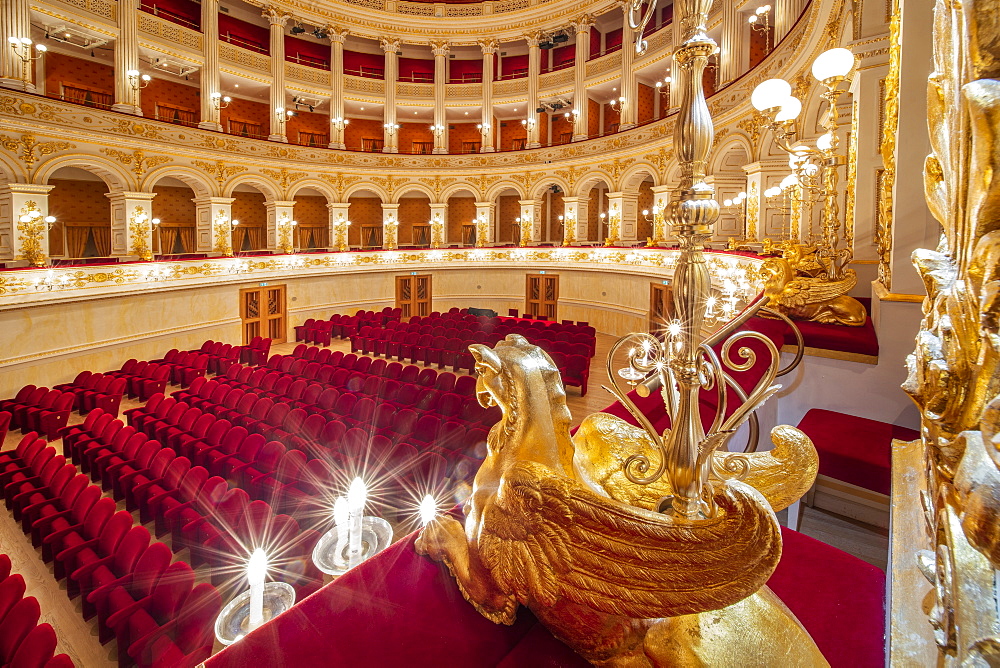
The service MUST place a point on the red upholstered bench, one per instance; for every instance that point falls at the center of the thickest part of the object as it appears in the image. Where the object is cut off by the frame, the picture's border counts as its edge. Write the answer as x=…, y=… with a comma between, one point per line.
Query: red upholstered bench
x=404, y=609
x=854, y=449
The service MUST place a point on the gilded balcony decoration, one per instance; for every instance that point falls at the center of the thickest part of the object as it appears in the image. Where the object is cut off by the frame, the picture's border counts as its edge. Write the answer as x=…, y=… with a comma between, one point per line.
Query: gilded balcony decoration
x=140, y=227
x=33, y=228
x=953, y=372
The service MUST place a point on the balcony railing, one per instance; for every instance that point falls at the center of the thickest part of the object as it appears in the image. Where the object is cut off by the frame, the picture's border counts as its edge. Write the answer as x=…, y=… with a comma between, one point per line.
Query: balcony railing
x=244, y=43
x=367, y=72
x=166, y=14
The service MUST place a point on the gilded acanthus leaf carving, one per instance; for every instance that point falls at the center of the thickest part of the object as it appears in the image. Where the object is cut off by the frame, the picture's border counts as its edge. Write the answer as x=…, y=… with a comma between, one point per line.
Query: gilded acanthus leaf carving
x=283, y=176
x=29, y=150
x=340, y=182
x=140, y=162
x=437, y=184
x=219, y=169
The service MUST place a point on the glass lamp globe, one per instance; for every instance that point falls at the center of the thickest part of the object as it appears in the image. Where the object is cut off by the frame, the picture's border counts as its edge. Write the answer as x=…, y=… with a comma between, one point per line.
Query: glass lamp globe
x=790, y=109
x=824, y=142
x=41, y=48
x=770, y=94
x=727, y=202
x=835, y=63
x=789, y=181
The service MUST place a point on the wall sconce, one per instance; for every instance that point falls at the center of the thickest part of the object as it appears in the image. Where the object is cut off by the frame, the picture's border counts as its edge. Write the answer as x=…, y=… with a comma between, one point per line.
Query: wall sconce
x=529, y=123
x=22, y=48
x=223, y=232
x=220, y=101
x=759, y=20
x=285, y=225
x=617, y=104
x=390, y=128
x=34, y=228
x=663, y=86
x=282, y=115
x=137, y=230
x=339, y=123
x=437, y=129
x=437, y=229
x=391, y=225
x=136, y=82
x=341, y=225
x=484, y=128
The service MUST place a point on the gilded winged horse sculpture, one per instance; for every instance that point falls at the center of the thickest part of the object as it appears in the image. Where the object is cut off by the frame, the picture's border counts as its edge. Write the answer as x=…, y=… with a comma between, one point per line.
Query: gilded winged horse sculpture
x=553, y=524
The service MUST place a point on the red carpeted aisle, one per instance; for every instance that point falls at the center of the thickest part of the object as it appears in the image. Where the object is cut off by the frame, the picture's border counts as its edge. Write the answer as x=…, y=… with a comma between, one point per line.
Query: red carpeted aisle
x=403, y=609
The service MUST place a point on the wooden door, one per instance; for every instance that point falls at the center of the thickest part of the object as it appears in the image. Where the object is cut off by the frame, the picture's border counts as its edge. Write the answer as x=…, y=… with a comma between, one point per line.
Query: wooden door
x=542, y=295
x=661, y=307
x=263, y=312
x=413, y=295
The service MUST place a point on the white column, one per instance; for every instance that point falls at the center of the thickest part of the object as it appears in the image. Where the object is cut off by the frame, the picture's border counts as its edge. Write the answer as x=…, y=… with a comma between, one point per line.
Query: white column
x=210, y=86
x=126, y=57
x=440, y=49
x=534, y=71
x=390, y=138
x=913, y=225
x=207, y=213
x=131, y=232
x=15, y=21
x=731, y=46
x=337, y=120
x=489, y=47
x=390, y=226
x=625, y=207
x=785, y=13
x=22, y=240
x=581, y=125
x=487, y=211
x=661, y=197
x=865, y=142
x=630, y=87
x=439, y=224
x=340, y=225
x=531, y=221
x=575, y=219
x=277, y=20
x=280, y=235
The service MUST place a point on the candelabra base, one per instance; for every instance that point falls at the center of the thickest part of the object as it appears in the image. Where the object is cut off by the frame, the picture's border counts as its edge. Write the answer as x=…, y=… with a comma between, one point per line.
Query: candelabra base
x=331, y=554
x=233, y=622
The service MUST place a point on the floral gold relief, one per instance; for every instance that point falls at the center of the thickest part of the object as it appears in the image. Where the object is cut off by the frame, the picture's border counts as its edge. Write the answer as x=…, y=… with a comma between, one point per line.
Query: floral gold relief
x=953, y=372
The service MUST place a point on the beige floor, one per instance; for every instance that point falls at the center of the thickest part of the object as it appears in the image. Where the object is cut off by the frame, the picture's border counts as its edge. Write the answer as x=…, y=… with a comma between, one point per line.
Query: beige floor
x=79, y=638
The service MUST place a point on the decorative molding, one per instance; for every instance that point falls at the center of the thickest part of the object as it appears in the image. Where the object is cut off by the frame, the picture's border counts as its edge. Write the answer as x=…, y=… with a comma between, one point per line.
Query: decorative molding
x=140, y=162
x=219, y=169
x=29, y=151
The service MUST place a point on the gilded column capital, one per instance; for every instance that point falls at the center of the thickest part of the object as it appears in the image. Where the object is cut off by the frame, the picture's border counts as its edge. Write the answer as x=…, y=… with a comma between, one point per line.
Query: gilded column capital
x=533, y=38
x=276, y=16
x=336, y=34
x=489, y=46
x=583, y=23
x=390, y=44
x=440, y=47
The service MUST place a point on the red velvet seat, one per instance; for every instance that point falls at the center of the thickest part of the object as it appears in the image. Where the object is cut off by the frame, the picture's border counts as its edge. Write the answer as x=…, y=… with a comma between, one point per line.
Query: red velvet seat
x=853, y=449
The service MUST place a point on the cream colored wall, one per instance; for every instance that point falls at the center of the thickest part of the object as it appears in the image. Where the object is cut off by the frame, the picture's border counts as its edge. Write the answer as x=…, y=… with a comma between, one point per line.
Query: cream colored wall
x=45, y=344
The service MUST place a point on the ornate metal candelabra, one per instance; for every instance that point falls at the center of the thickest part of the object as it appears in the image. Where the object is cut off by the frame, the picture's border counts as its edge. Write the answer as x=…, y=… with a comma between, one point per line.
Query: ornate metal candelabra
x=569, y=228
x=34, y=228
x=224, y=227
x=22, y=48
x=342, y=225
x=614, y=226
x=482, y=230
x=391, y=228
x=285, y=225
x=139, y=223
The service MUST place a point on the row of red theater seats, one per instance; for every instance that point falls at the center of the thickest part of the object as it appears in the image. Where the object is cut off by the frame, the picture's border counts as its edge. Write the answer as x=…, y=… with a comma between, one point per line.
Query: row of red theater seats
x=291, y=479
x=221, y=355
x=103, y=555
x=39, y=409
x=142, y=379
x=184, y=366
x=95, y=390
x=24, y=643
x=485, y=332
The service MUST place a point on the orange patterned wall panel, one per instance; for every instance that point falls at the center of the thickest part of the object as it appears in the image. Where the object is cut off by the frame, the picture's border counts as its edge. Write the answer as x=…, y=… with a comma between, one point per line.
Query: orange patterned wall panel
x=412, y=211
x=249, y=209
x=644, y=229
x=362, y=128
x=173, y=205
x=593, y=118
x=647, y=104
x=511, y=131
x=611, y=119
x=62, y=69
x=73, y=201
x=171, y=94
x=507, y=211
x=307, y=121
x=363, y=211
x=461, y=211
x=562, y=129
x=246, y=110
x=461, y=133
x=311, y=211
x=415, y=132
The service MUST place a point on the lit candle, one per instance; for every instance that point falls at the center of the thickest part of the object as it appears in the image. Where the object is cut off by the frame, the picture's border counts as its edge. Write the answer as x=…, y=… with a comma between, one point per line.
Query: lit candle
x=356, y=497
x=341, y=517
x=256, y=572
x=428, y=509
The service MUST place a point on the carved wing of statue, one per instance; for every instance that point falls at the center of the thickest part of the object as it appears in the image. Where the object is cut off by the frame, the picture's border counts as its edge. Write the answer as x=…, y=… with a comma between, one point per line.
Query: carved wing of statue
x=549, y=538
x=800, y=292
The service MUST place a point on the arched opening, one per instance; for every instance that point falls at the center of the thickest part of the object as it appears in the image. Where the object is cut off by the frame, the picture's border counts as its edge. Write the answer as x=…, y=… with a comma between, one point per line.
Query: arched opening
x=730, y=180
x=551, y=211
x=414, y=220
x=313, y=218
x=249, y=209
x=365, y=214
x=174, y=206
x=597, y=224
x=461, y=218
x=644, y=206
x=508, y=210
x=83, y=214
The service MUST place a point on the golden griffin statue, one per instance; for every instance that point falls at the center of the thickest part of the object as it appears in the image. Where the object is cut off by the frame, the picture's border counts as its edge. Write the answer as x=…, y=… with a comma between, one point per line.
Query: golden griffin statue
x=805, y=297
x=554, y=524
